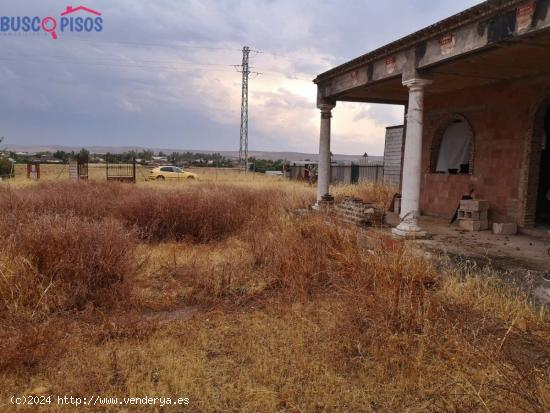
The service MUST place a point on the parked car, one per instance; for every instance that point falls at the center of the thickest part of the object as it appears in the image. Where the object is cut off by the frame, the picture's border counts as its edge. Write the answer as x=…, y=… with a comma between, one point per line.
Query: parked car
x=170, y=172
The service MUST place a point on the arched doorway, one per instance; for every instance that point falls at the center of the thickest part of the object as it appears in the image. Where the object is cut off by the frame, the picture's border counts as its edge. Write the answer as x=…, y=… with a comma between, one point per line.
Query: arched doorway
x=543, y=192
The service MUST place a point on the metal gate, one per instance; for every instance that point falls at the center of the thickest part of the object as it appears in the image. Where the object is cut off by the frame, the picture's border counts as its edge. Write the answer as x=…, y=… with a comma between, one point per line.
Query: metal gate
x=82, y=168
x=119, y=169
x=78, y=169
x=33, y=170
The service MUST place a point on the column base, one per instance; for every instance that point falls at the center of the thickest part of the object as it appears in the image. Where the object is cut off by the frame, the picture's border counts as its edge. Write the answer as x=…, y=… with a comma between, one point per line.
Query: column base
x=409, y=230
x=324, y=204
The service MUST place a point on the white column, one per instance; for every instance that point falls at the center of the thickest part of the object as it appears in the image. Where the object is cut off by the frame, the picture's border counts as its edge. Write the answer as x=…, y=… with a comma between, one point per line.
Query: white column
x=412, y=162
x=323, y=173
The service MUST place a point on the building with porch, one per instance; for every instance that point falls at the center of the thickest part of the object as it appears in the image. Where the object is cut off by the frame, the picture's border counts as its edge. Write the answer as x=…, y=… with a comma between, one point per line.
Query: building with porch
x=476, y=92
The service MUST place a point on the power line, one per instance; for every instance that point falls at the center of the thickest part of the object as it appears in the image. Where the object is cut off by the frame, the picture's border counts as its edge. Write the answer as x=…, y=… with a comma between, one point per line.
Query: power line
x=124, y=61
x=128, y=65
x=73, y=38
x=167, y=45
x=132, y=63
x=148, y=64
x=272, y=54
x=285, y=75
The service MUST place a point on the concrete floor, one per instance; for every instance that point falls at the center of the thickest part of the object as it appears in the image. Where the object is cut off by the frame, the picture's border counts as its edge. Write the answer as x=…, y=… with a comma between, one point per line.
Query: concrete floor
x=522, y=257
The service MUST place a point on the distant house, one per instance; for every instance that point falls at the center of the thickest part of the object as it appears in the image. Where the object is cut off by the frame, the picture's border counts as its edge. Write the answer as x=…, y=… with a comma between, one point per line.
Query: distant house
x=48, y=159
x=160, y=160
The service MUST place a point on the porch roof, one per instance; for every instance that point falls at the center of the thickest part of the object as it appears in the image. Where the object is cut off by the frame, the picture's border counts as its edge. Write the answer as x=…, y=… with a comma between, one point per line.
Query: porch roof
x=490, y=42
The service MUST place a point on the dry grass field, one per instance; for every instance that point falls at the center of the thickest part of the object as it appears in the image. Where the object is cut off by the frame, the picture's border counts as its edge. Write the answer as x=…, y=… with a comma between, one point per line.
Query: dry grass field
x=97, y=172
x=224, y=291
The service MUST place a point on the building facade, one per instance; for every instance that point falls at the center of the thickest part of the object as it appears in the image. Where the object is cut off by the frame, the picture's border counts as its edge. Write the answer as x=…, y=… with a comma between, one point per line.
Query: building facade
x=476, y=91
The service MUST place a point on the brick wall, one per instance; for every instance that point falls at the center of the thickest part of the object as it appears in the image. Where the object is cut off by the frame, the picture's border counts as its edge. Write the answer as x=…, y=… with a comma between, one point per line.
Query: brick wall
x=502, y=117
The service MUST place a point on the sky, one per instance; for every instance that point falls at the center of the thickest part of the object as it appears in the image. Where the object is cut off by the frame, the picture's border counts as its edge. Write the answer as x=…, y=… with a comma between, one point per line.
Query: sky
x=161, y=73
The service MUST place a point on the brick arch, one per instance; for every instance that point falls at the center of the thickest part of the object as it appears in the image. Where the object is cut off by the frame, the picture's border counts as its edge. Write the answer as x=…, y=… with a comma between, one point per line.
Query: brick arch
x=531, y=162
x=438, y=138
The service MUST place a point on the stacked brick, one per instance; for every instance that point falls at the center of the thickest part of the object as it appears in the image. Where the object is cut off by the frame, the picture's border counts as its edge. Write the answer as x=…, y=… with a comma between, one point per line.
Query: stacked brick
x=473, y=215
x=357, y=212
x=326, y=203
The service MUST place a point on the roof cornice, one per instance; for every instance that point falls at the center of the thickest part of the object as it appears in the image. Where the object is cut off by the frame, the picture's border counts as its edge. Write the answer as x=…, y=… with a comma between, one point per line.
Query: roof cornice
x=471, y=15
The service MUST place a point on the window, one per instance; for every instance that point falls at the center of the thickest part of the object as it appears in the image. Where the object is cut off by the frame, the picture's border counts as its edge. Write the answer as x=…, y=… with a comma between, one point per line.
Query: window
x=166, y=169
x=455, y=149
x=178, y=170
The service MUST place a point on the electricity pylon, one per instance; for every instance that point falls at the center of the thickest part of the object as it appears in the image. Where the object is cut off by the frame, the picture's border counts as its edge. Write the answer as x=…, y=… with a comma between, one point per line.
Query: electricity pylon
x=243, y=148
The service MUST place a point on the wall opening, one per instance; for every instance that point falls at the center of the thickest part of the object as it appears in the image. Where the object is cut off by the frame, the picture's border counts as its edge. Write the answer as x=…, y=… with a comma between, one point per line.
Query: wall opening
x=543, y=193
x=452, y=148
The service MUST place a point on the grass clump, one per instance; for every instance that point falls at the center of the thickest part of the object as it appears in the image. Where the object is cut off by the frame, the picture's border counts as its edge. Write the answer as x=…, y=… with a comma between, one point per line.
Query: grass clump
x=53, y=263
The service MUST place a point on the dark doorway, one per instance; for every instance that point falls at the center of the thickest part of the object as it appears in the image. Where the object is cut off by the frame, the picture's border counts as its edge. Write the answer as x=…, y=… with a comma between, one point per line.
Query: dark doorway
x=543, y=198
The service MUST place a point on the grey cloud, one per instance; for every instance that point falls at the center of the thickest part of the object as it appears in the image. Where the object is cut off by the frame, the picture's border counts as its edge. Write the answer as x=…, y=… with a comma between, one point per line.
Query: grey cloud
x=129, y=85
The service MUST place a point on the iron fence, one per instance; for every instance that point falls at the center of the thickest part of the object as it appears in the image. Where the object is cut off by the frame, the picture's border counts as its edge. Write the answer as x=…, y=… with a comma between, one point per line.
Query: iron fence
x=120, y=169
x=343, y=174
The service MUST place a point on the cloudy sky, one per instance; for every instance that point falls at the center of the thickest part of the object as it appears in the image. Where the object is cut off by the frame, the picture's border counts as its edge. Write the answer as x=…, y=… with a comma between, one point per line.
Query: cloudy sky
x=161, y=72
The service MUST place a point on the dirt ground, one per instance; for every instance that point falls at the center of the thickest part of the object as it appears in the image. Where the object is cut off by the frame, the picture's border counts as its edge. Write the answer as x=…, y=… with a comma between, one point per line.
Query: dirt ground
x=521, y=258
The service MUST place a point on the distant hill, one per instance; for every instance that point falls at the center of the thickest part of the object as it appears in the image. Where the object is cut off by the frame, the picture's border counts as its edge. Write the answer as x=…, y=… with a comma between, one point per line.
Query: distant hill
x=268, y=155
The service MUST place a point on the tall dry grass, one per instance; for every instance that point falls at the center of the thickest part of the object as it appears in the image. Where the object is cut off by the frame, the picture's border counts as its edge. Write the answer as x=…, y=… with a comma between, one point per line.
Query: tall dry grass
x=427, y=341
x=52, y=263
x=378, y=194
x=296, y=313
x=199, y=212
x=66, y=245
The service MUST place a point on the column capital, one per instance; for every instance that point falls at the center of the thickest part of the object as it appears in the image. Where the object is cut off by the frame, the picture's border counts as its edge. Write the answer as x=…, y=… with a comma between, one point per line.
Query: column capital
x=326, y=107
x=417, y=83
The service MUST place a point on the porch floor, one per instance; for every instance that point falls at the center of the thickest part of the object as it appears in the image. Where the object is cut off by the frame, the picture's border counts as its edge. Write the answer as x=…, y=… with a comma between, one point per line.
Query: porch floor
x=522, y=257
